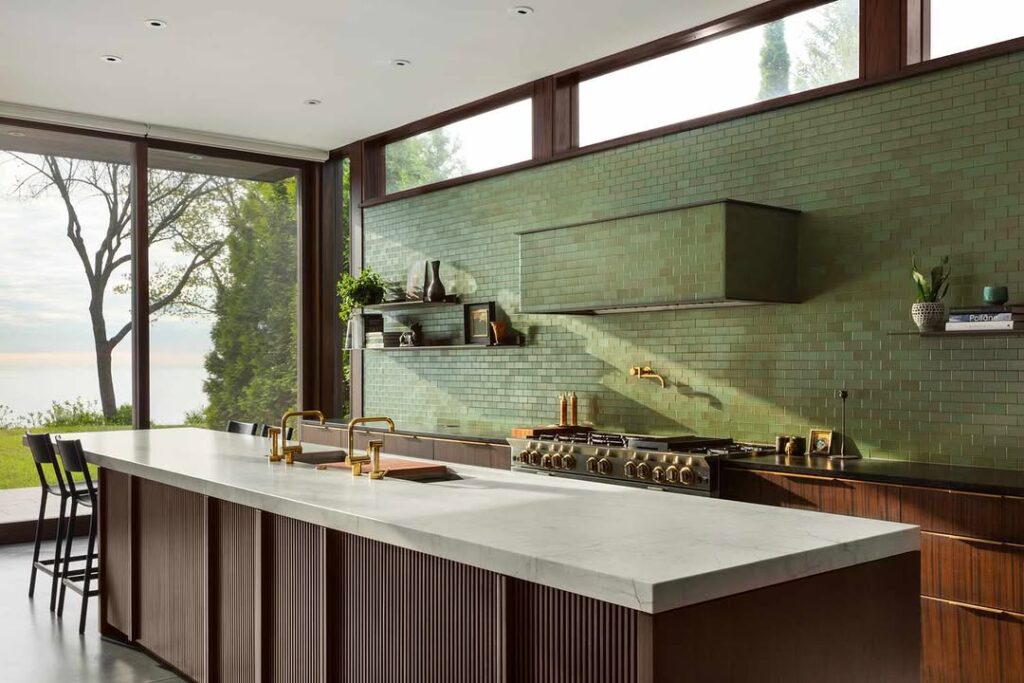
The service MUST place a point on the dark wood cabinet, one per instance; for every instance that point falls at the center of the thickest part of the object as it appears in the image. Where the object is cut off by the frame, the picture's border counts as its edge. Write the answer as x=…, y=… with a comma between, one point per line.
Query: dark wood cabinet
x=465, y=452
x=962, y=643
x=473, y=453
x=821, y=494
x=976, y=515
x=984, y=573
x=972, y=562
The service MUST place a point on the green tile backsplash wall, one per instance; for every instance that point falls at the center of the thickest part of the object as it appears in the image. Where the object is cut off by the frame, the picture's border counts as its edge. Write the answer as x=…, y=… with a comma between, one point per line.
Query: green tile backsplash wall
x=932, y=165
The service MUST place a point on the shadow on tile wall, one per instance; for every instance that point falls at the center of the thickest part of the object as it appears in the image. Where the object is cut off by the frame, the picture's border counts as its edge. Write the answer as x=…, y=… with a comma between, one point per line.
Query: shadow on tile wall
x=931, y=166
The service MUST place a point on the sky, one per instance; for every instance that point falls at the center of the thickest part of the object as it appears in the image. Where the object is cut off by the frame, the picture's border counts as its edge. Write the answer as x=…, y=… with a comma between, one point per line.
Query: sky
x=45, y=334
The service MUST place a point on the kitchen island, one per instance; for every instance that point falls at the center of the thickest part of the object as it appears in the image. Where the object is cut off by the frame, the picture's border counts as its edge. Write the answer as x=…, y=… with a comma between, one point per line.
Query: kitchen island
x=232, y=568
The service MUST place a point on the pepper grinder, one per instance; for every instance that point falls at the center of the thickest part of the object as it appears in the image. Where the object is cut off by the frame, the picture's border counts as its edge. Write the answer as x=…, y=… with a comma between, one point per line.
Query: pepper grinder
x=843, y=394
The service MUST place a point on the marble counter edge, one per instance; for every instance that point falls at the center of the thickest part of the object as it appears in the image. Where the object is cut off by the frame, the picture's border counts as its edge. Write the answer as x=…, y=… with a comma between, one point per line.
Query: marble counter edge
x=645, y=597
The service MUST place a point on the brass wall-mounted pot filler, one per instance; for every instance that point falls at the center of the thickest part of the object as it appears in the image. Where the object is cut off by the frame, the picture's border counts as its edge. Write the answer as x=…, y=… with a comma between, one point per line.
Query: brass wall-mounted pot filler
x=646, y=372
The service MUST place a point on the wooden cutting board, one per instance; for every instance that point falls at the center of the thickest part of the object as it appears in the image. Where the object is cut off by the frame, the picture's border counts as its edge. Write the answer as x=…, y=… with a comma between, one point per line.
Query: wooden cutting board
x=397, y=468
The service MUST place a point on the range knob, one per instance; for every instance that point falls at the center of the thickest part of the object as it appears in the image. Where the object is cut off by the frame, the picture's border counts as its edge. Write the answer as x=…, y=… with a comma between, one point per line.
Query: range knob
x=545, y=461
x=658, y=474
x=604, y=466
x=591, y=464
x=643, y=470
x=629, y=469
x=556, y=461
x=672, y=474
x=687, y=476
x=569, y=462
x=523, y=457
x=534, y=457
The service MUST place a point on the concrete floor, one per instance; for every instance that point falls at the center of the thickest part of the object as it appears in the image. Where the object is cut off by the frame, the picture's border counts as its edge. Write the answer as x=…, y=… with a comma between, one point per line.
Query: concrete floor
x=36, y=647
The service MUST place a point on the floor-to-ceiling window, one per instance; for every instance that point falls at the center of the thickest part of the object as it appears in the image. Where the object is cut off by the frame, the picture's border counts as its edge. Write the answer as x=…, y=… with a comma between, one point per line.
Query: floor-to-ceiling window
x=65, y=286
x=223, y=278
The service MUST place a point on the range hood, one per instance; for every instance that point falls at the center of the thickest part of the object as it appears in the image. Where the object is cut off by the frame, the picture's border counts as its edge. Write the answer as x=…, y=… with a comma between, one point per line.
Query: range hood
x=708, y=255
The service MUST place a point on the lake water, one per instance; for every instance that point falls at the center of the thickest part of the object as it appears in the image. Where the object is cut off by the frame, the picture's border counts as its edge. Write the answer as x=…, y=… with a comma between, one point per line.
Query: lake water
x=32, y=387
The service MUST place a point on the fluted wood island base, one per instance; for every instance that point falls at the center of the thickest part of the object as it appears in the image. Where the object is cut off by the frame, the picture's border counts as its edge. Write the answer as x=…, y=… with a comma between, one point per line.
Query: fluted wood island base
x=224, y=592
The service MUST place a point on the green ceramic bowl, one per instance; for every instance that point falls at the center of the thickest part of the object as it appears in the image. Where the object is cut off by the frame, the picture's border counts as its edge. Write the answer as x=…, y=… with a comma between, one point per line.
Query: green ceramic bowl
x=996, y=296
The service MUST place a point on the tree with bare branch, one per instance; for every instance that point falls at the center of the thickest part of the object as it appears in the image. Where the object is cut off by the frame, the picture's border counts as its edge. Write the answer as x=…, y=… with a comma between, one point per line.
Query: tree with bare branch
x=185, y=216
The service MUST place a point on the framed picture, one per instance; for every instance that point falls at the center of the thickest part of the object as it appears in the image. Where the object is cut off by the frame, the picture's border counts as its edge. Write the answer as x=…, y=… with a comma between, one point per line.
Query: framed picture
x=820, y=442
x=476, y=323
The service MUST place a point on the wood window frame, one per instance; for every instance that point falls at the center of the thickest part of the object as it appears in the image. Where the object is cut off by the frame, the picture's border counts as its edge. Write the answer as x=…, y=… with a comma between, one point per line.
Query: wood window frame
x=894, y=44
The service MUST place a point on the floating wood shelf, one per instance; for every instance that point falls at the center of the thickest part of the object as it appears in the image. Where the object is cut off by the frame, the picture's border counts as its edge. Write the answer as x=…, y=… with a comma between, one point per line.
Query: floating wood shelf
x=444, y=347
x=407, y=305
x=961, y=333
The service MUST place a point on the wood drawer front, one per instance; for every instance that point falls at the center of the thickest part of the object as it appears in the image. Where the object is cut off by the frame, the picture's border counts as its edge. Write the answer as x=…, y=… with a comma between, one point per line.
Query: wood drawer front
x=860, y=499
x=413, y=446
x=822, y=494
x=972, y=571
x=963, y=644
x=1013, y=519
x=322, y=435
x=471, y=453
x=953, y=512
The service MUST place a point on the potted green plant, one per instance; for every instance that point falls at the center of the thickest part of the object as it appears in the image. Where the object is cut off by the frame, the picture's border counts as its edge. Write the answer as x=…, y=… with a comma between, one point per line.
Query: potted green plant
x=355, y=292
x=929, y=313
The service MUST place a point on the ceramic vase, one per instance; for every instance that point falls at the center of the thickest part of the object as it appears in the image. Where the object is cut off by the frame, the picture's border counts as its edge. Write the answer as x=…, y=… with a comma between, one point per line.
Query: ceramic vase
x=436, y=291
x=929, y=316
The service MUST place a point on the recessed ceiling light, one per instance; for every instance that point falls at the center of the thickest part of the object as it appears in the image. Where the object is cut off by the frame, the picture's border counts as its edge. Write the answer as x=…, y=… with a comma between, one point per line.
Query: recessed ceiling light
x=312, y=102
x=15, y=133
x=111, y=59
x=156, y=23
x=401, y=62
x=520, y=11
x=195, y=157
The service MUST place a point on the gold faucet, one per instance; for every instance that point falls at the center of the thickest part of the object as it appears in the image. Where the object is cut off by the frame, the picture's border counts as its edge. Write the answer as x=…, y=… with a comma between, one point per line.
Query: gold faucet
x=646, y=372
x=286, y=451
x=357, y=461
x=374, y=447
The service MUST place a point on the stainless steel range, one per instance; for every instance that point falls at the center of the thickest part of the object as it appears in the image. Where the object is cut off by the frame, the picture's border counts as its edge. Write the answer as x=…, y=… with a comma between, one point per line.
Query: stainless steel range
x=684, y=464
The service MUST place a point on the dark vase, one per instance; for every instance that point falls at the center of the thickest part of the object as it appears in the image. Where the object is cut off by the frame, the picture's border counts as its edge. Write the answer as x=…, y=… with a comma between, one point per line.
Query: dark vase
x=435, y=292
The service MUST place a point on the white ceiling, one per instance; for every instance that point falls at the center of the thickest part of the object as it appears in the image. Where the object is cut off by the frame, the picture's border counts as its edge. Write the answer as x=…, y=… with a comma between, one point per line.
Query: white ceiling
x=243, y=67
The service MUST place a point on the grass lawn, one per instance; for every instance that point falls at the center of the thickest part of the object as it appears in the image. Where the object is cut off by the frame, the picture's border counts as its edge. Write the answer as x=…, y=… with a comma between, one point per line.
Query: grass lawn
x=16, y=468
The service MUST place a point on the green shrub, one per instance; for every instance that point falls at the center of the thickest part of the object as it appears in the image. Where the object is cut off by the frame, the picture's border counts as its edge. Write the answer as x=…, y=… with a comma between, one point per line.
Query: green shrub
x=76, y=413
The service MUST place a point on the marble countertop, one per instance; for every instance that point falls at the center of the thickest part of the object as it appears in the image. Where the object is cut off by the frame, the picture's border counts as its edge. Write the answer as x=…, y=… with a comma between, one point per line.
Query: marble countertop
x=646, y=550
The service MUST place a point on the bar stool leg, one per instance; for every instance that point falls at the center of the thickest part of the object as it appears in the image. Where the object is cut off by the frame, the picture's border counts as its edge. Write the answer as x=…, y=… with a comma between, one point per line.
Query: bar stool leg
x=88, y=570
x=56, y=551
x=39, y=540
x=67, y=556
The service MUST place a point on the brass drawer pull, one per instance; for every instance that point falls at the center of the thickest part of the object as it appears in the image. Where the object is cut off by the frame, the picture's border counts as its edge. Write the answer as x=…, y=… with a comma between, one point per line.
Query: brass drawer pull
x=977, y=608
x=789, y=475
x=971, y=539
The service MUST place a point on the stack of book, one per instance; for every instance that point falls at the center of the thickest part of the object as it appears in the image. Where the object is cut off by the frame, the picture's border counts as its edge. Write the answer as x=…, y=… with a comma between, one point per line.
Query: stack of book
x=382, y=340
x=986, y=318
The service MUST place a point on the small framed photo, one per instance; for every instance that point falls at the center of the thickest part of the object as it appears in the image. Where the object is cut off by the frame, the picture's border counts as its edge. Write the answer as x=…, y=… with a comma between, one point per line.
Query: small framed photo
x=476, y=322
x=820, y=442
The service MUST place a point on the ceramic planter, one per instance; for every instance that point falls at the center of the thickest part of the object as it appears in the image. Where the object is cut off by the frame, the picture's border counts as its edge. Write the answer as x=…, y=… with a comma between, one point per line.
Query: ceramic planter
x=929, y=316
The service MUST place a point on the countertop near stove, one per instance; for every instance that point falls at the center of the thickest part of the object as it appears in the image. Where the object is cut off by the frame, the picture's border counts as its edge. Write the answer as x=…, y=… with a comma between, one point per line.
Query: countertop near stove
x=646, y=550
x=953, y=477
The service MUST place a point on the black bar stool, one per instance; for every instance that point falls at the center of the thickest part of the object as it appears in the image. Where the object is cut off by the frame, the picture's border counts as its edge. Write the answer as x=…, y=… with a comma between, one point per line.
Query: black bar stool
x=83, y=492
x=264, y=430
x=236, y=427
x=43, y=454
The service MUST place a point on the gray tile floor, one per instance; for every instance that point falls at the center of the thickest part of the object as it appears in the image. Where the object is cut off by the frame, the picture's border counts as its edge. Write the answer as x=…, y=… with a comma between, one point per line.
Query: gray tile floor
x=36, y=647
